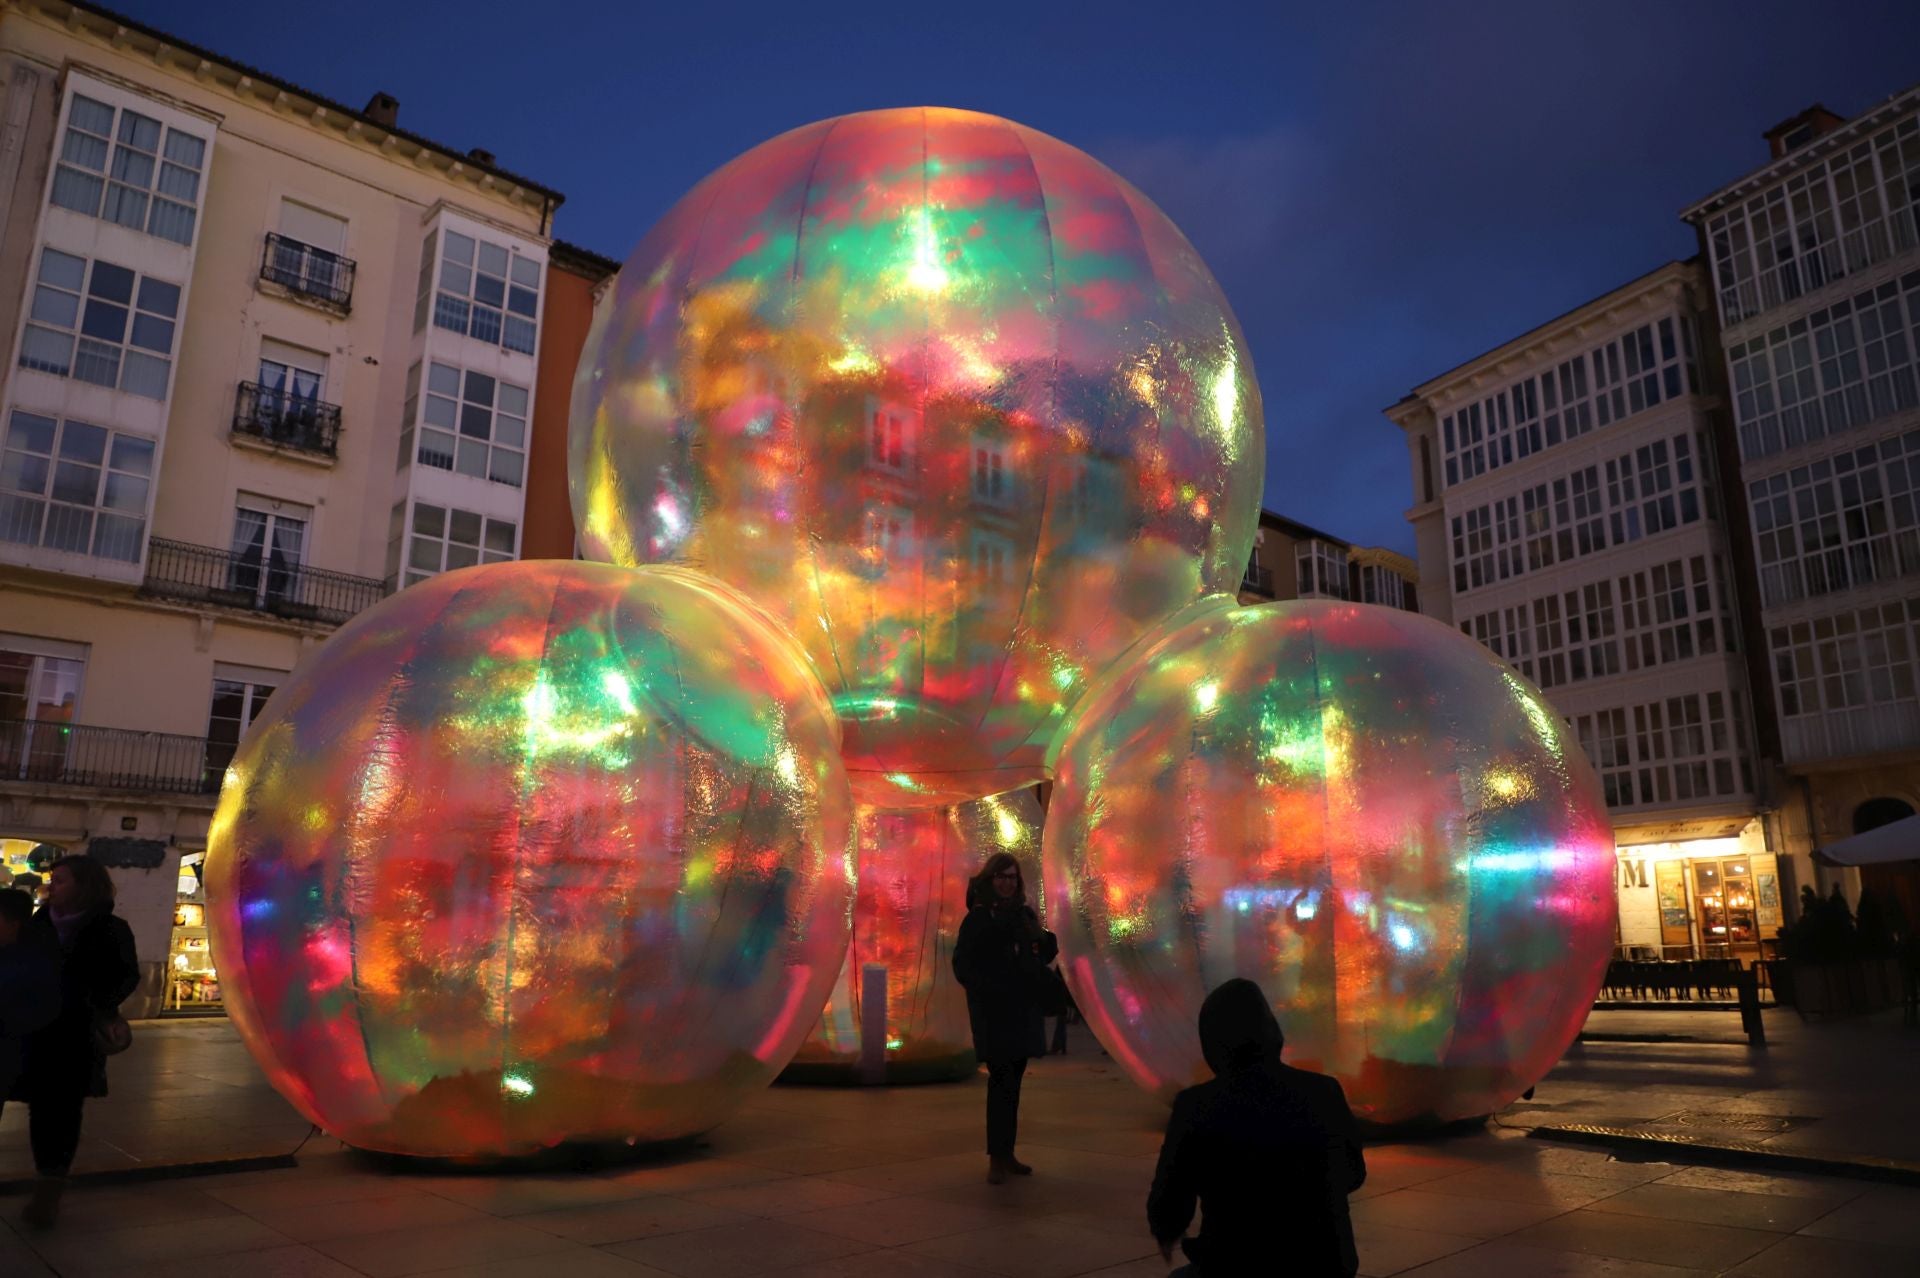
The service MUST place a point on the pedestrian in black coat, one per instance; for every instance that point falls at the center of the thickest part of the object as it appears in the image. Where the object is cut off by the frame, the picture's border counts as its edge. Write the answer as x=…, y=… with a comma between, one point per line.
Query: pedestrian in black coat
x=1269, y=1152
x=64, y=1062
x=1000, y=957
x=29, y=983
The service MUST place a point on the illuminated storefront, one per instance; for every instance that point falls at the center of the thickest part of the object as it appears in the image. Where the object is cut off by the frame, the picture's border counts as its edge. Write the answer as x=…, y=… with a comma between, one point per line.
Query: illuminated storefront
x=1718, y=897
x=192, y=985
x=16, y=859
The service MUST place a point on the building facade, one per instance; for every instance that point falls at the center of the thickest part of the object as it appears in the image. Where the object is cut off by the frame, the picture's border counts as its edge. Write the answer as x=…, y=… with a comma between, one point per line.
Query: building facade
x=577, y=279
x=268, y=358
x=1568, y=515
x=1816, y=278
x=1293, y=561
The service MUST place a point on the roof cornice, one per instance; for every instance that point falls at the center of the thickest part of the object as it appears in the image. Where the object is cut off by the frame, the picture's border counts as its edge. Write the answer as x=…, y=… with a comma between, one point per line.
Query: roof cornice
x=1559, y=337
x=263, y=90
x=1846, y=135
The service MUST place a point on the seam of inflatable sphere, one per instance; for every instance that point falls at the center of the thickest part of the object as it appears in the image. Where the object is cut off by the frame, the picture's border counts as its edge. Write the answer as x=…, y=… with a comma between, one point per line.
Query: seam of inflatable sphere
x=753, y=612
x=1137, y=653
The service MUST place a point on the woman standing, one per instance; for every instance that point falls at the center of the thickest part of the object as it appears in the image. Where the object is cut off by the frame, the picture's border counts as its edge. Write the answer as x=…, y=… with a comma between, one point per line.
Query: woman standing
x=66, y=1061
x=1000, y=957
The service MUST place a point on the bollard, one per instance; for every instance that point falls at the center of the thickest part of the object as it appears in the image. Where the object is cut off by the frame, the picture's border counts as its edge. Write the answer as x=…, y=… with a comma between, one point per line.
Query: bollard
x=1747, y=984
x=872, y=1066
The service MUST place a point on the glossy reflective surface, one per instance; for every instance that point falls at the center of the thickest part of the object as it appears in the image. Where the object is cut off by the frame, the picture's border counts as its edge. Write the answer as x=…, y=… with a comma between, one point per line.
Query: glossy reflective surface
x=1362, y=810
x=534, y=852
x=950, y=399
x=913, y=870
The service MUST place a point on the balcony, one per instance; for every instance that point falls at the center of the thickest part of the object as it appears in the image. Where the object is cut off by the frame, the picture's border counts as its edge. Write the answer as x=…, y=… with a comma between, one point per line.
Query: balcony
x=110, y=758
x=309, y=274
x=1841, y=734
x=291, y=591
x=1258, y=581
x=287, y=421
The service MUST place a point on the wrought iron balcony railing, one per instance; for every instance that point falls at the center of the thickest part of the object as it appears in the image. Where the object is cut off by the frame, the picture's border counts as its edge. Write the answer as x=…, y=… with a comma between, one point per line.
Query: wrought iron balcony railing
x=1258, y=581
x=269, y=584
x=110, y=758
x=308, y=272
x=292, y=421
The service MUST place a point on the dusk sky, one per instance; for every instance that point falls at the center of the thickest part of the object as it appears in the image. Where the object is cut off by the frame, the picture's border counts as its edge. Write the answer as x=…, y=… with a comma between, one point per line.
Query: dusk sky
x=1384, y=190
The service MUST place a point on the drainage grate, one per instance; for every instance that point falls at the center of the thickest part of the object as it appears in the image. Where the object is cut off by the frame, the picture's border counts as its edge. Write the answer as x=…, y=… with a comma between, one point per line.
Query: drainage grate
x=1772, y=1124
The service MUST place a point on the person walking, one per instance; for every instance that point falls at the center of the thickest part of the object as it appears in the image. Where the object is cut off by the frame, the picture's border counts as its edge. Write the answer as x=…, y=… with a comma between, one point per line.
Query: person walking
x=66, y=1060
x=1268, y=1152
x=1000, y=958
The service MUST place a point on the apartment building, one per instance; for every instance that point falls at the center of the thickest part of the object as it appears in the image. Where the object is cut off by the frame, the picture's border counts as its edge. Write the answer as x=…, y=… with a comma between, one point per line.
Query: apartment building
x=1568, y=515
x=1293, y=561
x=1815, y=258
x=269, y=357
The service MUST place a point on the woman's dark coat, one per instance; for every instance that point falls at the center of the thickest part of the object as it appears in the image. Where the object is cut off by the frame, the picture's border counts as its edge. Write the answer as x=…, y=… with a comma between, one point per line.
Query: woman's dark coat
x=96, y=976
x=995, y=959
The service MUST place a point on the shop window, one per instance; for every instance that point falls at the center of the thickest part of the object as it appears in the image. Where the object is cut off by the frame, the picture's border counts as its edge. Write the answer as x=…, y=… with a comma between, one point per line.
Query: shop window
x=192, y=984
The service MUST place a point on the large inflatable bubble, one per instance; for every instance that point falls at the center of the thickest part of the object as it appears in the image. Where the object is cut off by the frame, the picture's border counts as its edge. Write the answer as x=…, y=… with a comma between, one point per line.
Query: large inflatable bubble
x=950, y=399
x=913, y=872
x=534, y=852
x=1362, y=810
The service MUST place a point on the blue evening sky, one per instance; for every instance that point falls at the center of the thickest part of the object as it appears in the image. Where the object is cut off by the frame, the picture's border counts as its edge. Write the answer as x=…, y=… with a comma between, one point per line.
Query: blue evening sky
x=1384, y=190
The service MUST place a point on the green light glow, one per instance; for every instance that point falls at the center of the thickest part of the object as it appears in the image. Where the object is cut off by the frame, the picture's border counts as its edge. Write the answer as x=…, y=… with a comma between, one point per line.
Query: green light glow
x=581, y=724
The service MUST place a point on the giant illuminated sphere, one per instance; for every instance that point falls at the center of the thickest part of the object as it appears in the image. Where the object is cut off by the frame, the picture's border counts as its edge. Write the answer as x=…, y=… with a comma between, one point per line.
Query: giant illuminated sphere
x=949, y=398
x=1362, y=810
x=914, y=867
x=534, y=852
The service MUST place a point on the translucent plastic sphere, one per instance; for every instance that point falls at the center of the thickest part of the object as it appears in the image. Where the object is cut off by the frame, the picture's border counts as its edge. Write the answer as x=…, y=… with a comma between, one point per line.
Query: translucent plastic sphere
x=913, y=872
x=947, y=397
x=534, y=852
x=1362, y=810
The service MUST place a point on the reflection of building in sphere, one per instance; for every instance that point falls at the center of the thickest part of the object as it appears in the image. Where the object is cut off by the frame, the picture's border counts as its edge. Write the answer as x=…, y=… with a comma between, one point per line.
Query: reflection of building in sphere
x=1360, y=809
x=947, y=397
x=534, y=852
x=914, y=868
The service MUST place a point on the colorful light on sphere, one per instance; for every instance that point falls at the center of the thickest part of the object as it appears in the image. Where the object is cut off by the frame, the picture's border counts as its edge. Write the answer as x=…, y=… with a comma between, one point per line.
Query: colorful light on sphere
x=950, y=399
x=913, y=871
x=1360, y=809
x=534, y=852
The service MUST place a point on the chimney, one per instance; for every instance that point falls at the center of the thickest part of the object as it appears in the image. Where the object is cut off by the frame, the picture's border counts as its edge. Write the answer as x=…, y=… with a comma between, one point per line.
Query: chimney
x=383, y=109
x=480, y=155
x=1794, y=133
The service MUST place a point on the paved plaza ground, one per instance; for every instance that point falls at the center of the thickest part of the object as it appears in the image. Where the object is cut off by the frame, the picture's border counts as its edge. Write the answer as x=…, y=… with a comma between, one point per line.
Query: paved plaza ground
x=815, y=1183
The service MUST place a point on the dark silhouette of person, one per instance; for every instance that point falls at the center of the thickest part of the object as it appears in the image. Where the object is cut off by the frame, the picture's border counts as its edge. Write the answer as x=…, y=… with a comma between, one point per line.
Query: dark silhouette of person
x=1269, y=1152
x=65, y=1060
x=998, y=957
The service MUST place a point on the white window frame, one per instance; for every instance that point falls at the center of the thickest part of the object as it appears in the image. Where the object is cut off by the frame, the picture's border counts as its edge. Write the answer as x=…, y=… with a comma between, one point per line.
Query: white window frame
x=459, y=305
x=53, y=296
x=448, y=552
x=117, y=478
x=167, y=177
x=441, y=398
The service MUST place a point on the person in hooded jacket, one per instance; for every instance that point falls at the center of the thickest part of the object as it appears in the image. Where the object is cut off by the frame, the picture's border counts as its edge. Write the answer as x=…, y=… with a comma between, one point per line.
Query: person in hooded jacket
x=1000, y=957
x=65, y=1060
x=1268, y=1152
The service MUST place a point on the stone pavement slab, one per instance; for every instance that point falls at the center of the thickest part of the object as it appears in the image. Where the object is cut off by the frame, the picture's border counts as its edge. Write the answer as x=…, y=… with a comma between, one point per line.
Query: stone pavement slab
x=823, y=1183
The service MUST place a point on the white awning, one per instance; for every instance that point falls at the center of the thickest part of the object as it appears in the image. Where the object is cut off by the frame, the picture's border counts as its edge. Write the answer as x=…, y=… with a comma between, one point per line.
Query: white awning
x=1898, y=841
